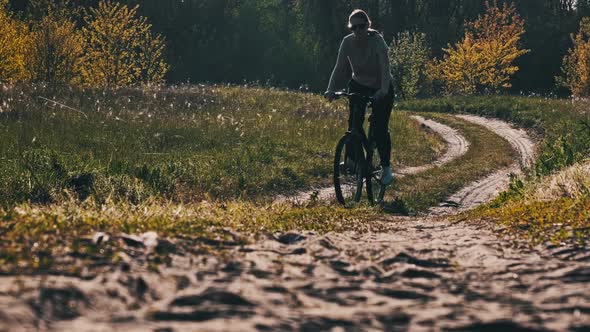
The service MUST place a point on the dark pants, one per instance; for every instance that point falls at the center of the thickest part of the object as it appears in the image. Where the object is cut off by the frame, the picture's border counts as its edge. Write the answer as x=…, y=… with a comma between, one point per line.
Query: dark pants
x=379, y=117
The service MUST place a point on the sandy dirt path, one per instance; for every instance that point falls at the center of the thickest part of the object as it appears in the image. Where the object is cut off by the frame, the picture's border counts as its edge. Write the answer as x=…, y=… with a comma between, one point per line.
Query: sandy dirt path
x=421, y=274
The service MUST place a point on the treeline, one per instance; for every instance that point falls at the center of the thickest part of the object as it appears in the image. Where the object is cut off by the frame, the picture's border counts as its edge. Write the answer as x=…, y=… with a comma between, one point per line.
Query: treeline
x=293, y=43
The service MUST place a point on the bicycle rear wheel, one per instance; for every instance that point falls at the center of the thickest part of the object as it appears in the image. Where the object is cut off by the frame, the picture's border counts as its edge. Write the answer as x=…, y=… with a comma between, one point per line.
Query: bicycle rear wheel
x=375, y=189
x=349, y=175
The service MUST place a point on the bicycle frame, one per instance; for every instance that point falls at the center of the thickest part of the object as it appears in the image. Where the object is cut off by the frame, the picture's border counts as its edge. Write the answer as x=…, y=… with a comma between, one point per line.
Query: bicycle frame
x=365, y=148
x=356, y=113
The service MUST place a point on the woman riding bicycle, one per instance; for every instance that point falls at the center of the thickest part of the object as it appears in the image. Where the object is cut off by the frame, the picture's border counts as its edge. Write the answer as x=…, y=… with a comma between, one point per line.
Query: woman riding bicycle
x=365, y=51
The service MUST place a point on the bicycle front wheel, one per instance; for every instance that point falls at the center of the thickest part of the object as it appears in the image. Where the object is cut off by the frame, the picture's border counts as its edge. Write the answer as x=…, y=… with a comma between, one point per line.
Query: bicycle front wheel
x=349, y=174
x=375, y=189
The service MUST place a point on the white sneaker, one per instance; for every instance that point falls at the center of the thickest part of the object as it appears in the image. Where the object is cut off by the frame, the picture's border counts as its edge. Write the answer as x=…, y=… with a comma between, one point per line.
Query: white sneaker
x=386, y=176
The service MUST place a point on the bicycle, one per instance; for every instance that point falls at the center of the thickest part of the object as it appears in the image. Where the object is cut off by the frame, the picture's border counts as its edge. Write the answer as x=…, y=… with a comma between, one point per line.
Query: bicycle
x=356, y=161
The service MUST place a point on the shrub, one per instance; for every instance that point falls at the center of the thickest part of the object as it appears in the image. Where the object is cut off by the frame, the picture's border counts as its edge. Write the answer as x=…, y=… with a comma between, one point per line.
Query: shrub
x=408, y=56
x=120, y=49
x=483, y=60
x=56, y=48
x=13, y=42
x=576, y=63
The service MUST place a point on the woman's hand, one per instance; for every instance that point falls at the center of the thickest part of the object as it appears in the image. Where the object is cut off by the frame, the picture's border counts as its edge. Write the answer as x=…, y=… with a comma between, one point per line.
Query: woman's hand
x=330, y=95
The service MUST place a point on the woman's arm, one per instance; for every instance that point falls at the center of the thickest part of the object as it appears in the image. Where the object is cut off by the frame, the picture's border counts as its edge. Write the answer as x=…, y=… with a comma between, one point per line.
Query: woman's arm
x=382, y=54
x=339, y=68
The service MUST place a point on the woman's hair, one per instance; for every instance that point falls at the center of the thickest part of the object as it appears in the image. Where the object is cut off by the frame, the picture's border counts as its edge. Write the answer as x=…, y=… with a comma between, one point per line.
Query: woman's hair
x=359, y=13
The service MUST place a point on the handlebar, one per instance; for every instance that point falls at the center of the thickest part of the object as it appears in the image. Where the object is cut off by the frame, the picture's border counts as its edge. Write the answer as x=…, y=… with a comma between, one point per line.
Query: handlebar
x=340, y=94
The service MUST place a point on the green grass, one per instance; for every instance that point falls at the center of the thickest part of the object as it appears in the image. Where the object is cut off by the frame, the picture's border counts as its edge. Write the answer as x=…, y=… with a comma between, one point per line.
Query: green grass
x=185, y=143
x=558, y=220
x=43, y=237
x=37, y=236
x=563, y=125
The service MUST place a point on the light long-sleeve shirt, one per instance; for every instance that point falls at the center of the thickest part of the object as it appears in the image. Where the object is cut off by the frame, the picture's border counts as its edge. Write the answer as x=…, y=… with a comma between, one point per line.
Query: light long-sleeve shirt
x=369, y=63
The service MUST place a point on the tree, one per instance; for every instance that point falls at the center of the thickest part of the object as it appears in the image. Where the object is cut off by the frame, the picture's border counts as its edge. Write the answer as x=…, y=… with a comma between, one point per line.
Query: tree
x=120, y=50
x=56, y=47
x=460, y=69
x=408, y=56
x=484, y=59
x=152, y=67
x=576, y=63
x=13, y=43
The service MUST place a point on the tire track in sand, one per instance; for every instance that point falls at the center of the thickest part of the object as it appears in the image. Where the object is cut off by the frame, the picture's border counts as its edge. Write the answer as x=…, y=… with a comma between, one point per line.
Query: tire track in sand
x=485, y=189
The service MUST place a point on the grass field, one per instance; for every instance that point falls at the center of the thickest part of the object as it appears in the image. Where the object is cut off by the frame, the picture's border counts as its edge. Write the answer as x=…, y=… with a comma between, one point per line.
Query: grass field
x=184, y=144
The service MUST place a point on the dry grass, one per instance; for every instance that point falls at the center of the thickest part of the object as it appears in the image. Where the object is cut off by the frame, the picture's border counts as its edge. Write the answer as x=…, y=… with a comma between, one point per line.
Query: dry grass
x=572, y=182
x=554, y=208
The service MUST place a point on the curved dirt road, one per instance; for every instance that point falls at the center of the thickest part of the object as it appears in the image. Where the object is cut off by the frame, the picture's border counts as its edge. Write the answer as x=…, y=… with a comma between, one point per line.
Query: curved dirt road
x=422, y=274
x=484, y=190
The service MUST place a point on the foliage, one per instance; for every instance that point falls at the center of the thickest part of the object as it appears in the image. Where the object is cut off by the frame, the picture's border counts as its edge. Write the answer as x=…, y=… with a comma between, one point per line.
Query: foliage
x=576, y=63
x=150, y=62
x=56, y=48
x=460, y=68
x=13, y=45
x=484, y=59
x=120, y=49
x=408, y=56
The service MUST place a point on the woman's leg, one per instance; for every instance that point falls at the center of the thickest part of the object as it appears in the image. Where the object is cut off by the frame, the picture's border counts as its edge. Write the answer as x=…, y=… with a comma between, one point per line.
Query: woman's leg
x=380, y=123
x=357, y=106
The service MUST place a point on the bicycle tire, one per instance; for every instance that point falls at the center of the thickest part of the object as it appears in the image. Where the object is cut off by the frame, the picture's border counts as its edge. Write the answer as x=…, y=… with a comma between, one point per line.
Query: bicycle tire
x=355, y=185
x=372, y=180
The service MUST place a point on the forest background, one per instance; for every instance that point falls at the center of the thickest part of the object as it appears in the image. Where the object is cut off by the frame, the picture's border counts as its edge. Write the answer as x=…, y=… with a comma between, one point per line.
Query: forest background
x=293, y=43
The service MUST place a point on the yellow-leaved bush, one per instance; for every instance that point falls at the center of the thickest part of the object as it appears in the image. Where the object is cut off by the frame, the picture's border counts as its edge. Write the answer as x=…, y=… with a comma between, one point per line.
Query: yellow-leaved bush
x=576, y=63
x=13, y=46
x=56, y=48
x=120, y=48
x=484, y=58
